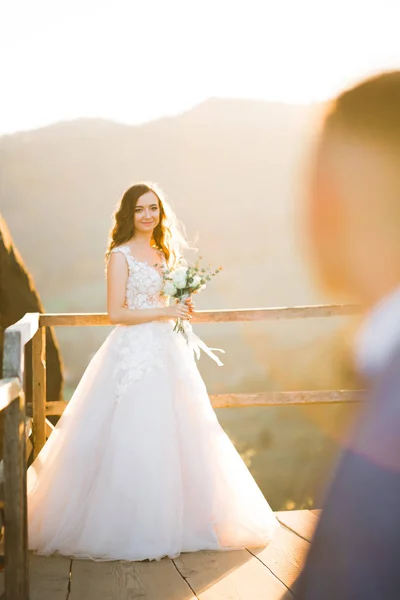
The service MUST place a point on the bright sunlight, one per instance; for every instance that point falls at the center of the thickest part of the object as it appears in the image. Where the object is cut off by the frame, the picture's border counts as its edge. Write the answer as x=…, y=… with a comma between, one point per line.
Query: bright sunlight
x=133, y=61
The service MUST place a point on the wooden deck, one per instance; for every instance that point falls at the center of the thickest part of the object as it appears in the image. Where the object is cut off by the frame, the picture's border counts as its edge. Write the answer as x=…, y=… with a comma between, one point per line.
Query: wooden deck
x=267, y=574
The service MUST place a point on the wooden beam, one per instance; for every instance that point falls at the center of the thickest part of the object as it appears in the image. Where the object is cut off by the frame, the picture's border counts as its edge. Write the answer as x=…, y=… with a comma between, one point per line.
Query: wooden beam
x=262, y=399
x=16, y=562
x=13, y=363
x=39, y=390
x=74, y=319
x=27, y=327
x=9, y=390
x=55, y=409
x=301, y=398
x=15, y=338
x=274, y=314
x=214, y=316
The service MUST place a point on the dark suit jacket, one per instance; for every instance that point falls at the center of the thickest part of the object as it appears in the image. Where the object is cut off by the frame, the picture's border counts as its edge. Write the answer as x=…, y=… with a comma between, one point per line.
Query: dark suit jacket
x=355, y=554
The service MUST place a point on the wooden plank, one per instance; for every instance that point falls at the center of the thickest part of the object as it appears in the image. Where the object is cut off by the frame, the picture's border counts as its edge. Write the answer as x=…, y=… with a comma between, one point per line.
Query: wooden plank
x=215, y=316
x=274, y=314
x=13, y=364
x=226, y=575
x=39, y=390
x=286, y=398
x=120, y=580
x=262, y=399
x=10, y=389
x=74, y=319
x=16, y=563
x=284, y=556
x=302, y=522
x=55, y=408
x=27, y=327
x=49, y=577
x=15, y=338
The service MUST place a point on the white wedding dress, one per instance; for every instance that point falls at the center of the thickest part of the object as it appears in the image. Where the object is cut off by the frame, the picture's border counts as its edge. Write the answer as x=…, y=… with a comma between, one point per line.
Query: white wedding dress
x=138, y=466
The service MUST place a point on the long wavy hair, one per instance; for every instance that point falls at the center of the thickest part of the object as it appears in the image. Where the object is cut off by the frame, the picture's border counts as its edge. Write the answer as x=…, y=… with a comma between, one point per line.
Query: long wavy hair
x=168, y=237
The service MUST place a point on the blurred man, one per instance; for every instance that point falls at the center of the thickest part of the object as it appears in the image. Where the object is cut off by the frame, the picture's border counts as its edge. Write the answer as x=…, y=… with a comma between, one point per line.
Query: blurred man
x=354, y=217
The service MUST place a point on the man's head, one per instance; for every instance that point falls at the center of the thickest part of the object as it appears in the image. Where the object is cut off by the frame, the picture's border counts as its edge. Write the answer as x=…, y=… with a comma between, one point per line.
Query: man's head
x=354, y=201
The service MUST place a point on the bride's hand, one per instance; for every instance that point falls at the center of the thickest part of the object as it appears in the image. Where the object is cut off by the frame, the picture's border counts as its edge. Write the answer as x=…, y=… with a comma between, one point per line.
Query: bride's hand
x=177, y=311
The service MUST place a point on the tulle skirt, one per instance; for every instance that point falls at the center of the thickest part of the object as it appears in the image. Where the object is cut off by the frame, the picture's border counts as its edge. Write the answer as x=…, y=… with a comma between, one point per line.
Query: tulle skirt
x=138, y=466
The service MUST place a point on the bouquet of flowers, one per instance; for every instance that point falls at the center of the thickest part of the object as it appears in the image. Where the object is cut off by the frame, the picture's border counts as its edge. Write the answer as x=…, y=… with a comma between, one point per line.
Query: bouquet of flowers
x=183, y=281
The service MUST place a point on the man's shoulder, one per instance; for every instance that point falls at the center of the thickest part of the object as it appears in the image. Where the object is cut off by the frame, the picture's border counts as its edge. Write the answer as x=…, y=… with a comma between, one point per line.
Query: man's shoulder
x=391, y=371
x=377, y=437
x=385, y=388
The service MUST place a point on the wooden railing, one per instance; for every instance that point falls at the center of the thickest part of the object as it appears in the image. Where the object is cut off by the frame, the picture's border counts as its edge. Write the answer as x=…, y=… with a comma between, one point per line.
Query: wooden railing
x=13, y=476
x=33, y=326
x=216, y=316
x=41, y=409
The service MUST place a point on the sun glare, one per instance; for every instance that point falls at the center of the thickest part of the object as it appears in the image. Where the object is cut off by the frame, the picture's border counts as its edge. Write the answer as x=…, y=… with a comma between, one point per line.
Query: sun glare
x=133, y=61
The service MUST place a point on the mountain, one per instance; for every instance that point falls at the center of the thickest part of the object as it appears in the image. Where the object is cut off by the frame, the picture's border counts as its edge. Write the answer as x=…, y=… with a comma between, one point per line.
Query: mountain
x=227, y=166
x=235, y=173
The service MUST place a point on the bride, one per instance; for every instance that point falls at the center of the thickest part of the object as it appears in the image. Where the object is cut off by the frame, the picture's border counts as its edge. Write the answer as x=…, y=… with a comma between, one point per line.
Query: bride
x=138, y=466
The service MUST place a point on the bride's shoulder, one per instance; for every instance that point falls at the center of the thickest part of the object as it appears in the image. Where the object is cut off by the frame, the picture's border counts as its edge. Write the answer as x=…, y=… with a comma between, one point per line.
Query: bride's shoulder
x=119, y=251
x=123, y=249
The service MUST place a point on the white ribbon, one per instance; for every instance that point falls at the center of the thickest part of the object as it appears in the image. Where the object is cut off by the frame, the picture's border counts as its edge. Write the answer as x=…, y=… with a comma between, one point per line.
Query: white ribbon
x=195, y=344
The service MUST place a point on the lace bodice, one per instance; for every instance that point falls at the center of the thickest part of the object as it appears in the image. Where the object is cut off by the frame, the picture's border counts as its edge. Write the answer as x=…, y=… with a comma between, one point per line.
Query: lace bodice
x=144, y=283
x=141, y=349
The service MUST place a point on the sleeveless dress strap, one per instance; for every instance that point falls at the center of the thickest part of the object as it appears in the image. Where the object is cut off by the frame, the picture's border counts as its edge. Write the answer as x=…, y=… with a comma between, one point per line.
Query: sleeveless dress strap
x=126, y=252
x=122, y=249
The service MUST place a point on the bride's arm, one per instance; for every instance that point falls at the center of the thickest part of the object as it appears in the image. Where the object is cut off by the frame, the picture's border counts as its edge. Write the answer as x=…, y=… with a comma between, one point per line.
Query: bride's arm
x=118, y=313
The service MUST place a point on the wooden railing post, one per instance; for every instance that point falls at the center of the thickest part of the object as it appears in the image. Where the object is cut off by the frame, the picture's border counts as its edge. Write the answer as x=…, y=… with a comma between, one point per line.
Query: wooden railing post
x=15, y=514
x=12, y=402
x=39, y=390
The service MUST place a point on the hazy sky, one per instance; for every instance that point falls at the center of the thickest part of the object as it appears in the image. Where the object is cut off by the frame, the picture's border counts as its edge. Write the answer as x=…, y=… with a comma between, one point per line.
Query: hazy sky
x=135, y=60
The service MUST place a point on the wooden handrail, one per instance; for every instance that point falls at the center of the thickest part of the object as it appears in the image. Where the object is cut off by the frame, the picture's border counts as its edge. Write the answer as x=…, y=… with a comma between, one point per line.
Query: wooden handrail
x=10, y=389
x=213, y=316
x=261, y=399
x=27, y=327
x=33, y=326
x=15, y=338
x=285, y=398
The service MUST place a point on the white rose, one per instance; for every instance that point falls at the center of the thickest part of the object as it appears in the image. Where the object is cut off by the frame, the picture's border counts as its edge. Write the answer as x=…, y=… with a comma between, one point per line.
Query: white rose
x=169, y=289
x=179, y=278
x=196, y=281
x=180, y=283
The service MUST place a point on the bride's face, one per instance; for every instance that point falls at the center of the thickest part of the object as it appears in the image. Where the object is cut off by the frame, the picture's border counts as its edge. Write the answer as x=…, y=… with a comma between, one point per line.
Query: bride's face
x=147, y=213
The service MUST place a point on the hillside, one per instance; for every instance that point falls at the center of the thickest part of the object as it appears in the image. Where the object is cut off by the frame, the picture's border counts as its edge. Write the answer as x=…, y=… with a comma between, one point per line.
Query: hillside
x=234, y=171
